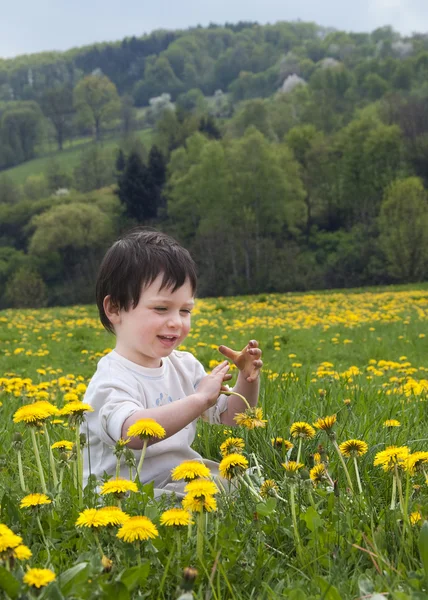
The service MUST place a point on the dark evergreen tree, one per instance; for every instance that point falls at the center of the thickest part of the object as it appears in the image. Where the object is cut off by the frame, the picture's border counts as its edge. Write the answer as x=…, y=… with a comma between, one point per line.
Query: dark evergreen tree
x=157, y=171
x=120, y=161
x=137, y=191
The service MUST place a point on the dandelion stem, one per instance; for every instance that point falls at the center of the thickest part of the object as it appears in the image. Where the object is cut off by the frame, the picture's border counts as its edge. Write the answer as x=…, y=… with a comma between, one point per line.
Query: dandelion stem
x=233, y=393
x=250, y=488
x=400, y=488
x=299, y=451
x=51, y=457
x=200, y=536
x=295, y=524
x=21, y=472
x=79, y=482
x=357, y=475
x=178, y=540
x=143, y=454
x=117, y=467
x=348, y=477
x=38, y=461
x=43, y=537
x=394, y=492
x=259, y=473
x=97, y=542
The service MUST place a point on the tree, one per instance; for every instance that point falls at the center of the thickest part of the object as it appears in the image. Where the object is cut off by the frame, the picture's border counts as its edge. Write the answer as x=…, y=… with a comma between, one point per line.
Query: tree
x=97, y=102
x=20, y=131
x=26, y=289
x=403, y=225
x=9, y=190
x=127, y=114
x=137, y=191
x=157, y=172
x=94, y=170
x=57, y=178
x=57, y=106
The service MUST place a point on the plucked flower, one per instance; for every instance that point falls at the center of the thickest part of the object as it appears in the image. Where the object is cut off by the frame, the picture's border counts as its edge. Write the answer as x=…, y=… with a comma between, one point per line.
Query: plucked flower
x=201, y=487
x=391, y=423
x=303, y=430
x=92, y=517
x=232, y=445
x=38, y=577
x=269, y=488
x=391, y=457
x=175, y=517
x=146, y=429
x=199, y=503
x=232, y=465
x=190, y=469
x=352, y=448
x=34, y=500
x=325, y=423
x=118, y=487
x=137, y=528
x=251, y=418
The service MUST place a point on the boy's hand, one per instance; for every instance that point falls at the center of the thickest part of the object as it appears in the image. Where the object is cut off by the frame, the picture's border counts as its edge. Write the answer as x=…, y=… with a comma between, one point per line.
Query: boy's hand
x=248, y=360
x=209, y=387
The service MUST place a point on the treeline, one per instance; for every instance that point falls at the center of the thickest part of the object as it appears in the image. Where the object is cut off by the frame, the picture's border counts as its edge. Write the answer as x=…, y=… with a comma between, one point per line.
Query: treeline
x=317, y=181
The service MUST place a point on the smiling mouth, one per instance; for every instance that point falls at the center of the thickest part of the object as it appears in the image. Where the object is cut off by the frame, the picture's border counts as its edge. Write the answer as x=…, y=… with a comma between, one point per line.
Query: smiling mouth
x=168, y=338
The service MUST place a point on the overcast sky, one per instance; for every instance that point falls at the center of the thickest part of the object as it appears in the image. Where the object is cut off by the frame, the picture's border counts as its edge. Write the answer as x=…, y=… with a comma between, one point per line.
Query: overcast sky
x=28, y=26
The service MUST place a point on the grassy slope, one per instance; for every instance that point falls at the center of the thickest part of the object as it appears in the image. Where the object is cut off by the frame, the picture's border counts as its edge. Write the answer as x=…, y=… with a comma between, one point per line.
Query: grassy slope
x=68, y=158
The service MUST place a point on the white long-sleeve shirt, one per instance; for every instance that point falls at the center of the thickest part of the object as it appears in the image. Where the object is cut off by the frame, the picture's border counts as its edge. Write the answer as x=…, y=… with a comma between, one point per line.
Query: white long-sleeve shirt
x=118, y=389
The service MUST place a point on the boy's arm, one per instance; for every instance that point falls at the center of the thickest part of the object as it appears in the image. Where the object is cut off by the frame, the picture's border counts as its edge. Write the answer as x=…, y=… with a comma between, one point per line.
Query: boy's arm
x=177, y=415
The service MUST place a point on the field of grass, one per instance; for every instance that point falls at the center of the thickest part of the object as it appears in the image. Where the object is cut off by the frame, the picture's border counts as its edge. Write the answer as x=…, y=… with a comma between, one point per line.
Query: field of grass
x=315, y=519
x=68, y=158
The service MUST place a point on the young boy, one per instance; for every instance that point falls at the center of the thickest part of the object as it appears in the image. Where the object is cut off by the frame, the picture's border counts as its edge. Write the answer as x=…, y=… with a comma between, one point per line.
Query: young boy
x=145, y=295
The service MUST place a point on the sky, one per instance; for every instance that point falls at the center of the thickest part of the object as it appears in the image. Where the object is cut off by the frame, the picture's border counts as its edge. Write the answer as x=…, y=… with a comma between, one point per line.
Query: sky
x=28, y=26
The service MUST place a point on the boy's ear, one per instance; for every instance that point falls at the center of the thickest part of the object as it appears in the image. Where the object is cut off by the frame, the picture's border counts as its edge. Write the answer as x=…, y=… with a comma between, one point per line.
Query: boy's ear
x=111, y=310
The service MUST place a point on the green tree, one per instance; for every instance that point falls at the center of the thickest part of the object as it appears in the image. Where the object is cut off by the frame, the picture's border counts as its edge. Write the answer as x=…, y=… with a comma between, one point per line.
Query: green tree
x=57, y=106
x=57, y=177
x=403, y=226
x=97, y=102
x=20, y=129
x=94, y=170
x=26, y=289
x=137, y=190
x=36, y=187
x=10, y=192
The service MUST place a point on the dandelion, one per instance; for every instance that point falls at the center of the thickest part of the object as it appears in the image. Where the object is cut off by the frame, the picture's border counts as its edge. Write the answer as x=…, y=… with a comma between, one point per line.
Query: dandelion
x=92, y=518
x=8, y=539
x=251, y=418
x=75, y=410
x=232, y=445
x=303, y=431
x=390, y=423
x=114, y=515
x=292, y=467
x=22, y=552
x=175, y=517
x=190, y=469
x=233, y=465
x=39, y=577
x=416, y=462
x=269, y=488
x=63, y=445
x=353, y=449
x=201, y=487
x=137, y=528
x=199, y=503
x=35, y=500
x=118, y=487
x=393, y=459
x=415, y=517
x=281, y=443
x=145, y=429
x=325, y=423
x=318, y=474
x=35, y=414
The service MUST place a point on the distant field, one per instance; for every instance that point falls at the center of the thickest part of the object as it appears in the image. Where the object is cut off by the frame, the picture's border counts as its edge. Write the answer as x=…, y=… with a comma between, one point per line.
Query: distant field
x=68, y=158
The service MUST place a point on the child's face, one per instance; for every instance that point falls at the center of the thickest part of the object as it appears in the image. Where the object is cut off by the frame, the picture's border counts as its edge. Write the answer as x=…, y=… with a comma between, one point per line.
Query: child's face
x=156, y=326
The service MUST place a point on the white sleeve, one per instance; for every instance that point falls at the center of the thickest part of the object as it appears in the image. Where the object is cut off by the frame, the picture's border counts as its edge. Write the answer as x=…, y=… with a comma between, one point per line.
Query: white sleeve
x=117, y=401
x=212, y=415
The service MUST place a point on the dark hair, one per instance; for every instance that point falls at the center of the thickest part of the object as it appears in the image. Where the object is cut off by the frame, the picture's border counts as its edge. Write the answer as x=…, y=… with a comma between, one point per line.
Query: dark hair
x=134, y=261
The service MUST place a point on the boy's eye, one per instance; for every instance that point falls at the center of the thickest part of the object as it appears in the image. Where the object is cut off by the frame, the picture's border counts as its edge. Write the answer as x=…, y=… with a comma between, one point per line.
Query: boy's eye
x=186, y=310
x=160, y=308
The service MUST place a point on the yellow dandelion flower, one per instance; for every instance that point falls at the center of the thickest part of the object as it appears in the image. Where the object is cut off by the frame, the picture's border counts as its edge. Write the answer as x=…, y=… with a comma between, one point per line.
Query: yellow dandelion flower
x=232, y=445
x=63, y=445
x=39, y=577
x=318, y=473
x=145, y=429
x=92, y=517
x=352, y=448
x=35, y=500
x=201, y=487
x=35, y=414
x=279, y=442
x=190, y=469
x=292, y=467
x=9, y=540
x=76, y=408
x=175, y=516
x=114, y=515
x=268, y=488
x=416, y=462
x=118, y=487
x=199, y=504
x=415, y=517
x=392, y=423
x=70, y=397
x=232, y=465
x=22, y=552
x=303, y=430
x=317, y=458
x=137, y=528
x=391, y=457
x=251, y=418
x=325, y=423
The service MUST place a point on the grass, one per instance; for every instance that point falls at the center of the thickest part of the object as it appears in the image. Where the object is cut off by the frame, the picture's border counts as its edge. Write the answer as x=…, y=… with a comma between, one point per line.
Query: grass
x=68, y=158
x=359, y=355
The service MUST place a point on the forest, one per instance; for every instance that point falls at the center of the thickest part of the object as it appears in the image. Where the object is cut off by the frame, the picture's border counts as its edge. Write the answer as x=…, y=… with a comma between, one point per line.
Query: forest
x=286, y=157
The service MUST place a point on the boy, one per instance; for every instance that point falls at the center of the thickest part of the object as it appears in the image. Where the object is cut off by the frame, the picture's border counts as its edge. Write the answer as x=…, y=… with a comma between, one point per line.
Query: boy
x=145, y=295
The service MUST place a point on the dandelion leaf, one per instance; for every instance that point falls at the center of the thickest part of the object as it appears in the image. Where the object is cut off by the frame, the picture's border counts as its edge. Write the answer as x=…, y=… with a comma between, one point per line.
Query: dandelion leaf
x=9, y=584
x=423, y=546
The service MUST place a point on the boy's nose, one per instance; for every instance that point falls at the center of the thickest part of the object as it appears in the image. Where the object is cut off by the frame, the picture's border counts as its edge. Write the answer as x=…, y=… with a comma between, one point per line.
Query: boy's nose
x=174, y=321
